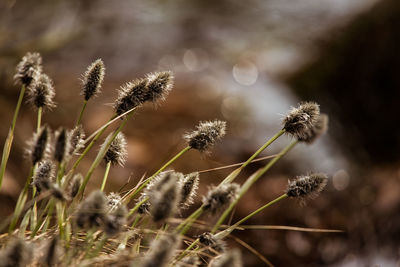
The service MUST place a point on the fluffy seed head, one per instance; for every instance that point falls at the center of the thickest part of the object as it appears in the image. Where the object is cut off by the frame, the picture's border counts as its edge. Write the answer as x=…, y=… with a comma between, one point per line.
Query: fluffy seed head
x=57, y=192
x=300, y=120
x=91, y=211
x=206, y=134
x=159, y=84
x=307, y=186
x=28, y=68
x=115, y=220
x=164, y=201
x=155, y=186
x=76, y=138
x=16, y=254
x=43, y=176
x=92, y=79
x=131, y=95
x=74, y=185
x=230, y=258
x=215, y=244
x=189, y=185
x=41, y=92
x=319, y=128
x=161, y=251
x=116, y=153
x=114, y=200
x=218, y=197
x=38, y=145
x=61, y=146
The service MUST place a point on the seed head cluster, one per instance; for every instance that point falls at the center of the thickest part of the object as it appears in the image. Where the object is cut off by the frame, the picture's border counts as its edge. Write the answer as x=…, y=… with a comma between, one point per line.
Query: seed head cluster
x=215, y=244
x=301, y=120
x=206, y=134
x=92, y=210
x=44, y=176
x=154, y=88
x=28, y=68
x=41, y=92
x=93, y=79
x=116, y=153
x=76, y=138
x=218, y=197
x=61, y=146
x=74, y=185
x=161, y=251
x=307, y=186
x=38, y=145
x=319, y=128
x=189, y=185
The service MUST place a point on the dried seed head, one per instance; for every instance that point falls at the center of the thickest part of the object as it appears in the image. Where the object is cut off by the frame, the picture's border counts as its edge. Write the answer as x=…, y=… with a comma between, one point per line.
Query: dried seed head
x=215, y=244
x=57, y=192
x=319, y=128
x=159, y=85
x=115, y=220
x=61, y=146
x=218, y=197
x=91, y=211
x=191, y=260
x=50, y=257
x=16, y=254
x=28, y=68
x=116, y=153
x=206, y=134
x=164, y=201
x=230, y=258
x=300, y=120
x=307, y=186
x=76, y=140
x=131, y=95
x=189, y=185
x=75, y=185
x=92, y=79
x=41, y=92
x=114, y=200
x=38, y=145
x=161, y=251
x=44, y=176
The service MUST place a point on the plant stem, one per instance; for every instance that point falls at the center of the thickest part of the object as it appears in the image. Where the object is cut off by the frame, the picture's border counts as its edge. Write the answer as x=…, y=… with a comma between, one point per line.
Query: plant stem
x=233, y=227
x=137, y=206
x=10, y=136
x=250, y=181
x=134, y=193
x=81, y=113
x=187, y=223
x=39, y=119
x=105, y=176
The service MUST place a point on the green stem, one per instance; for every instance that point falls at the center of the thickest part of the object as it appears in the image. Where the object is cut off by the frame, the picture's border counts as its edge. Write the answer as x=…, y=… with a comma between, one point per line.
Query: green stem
x=250, y=181
x=187, y=223
x=186, y=251
x=100, y=155
x=183, y=151
x=94, y=140
x=10, y=136
x=81, y=113
x=233, y=227
x=39, y=119
x=105, y=176
x=137, y=206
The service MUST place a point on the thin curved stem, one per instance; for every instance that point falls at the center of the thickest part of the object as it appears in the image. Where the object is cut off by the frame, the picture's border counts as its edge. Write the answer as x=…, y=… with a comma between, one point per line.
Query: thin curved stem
x=39, y=119
x=103, y=184
x=250, y=181
x=10, y=136
x=81, y=113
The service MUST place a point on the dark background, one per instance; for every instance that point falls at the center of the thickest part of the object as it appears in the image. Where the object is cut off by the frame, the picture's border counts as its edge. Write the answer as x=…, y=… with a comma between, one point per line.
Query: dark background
x=245, y=62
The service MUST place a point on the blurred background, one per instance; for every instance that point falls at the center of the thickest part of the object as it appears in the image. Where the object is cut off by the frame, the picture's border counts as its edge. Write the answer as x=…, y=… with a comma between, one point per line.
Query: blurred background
x=245, y=62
